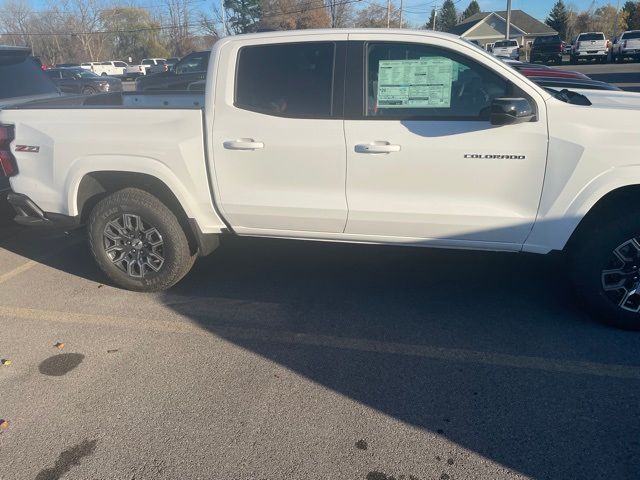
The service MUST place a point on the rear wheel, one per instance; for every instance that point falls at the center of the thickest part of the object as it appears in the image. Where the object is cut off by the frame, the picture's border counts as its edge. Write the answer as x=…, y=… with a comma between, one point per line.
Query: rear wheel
x=88, y=91
x=605, y=266
x=138, y=242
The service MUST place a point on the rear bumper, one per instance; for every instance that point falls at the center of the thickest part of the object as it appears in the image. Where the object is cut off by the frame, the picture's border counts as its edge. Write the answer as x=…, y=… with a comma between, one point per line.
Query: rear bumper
x=30, y=214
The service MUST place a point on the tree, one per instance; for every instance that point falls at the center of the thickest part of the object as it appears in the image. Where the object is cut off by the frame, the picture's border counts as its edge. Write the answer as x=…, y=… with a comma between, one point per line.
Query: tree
x=472, y=9
x=135, y=34
x=448, y=16
x=340, y=13
x=294, y=14
x=604, y=20
x=558, y=19
x=632, y=13
x=243, y=15
x=375, y=16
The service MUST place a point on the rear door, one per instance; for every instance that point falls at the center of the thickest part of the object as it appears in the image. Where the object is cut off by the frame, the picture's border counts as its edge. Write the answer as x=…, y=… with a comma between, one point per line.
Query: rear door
x=278, y=138
x=424, y=161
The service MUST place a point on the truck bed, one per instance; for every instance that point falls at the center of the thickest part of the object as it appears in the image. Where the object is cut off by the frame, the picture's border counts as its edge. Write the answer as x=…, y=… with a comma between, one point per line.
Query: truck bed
x=153, y=100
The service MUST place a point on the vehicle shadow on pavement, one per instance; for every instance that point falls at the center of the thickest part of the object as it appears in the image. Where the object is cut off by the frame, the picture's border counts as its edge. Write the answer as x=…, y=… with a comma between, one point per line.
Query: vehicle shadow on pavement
x=488, y=350
x=359, y=319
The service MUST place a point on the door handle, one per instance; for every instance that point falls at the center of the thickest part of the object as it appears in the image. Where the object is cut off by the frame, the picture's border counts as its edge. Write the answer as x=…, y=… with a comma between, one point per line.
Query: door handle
x=243, y=144
x=377, y=147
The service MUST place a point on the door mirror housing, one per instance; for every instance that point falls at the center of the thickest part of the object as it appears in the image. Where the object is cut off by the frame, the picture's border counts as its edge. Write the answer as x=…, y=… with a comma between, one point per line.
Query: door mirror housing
x=506, y=111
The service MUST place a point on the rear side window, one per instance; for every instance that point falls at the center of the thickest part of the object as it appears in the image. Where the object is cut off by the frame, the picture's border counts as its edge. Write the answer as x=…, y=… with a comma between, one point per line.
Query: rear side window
x=120, y=64
x=591, y=36
x=147, y=62
x=22, y=79
x=291, y=80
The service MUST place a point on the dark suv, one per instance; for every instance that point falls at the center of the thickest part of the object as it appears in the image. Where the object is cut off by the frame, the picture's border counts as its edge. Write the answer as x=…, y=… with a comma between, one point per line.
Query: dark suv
x=547, y=48
x=192, y=68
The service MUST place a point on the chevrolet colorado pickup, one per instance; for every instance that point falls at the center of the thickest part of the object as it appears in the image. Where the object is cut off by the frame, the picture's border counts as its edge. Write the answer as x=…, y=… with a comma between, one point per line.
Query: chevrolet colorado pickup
x=393, y=137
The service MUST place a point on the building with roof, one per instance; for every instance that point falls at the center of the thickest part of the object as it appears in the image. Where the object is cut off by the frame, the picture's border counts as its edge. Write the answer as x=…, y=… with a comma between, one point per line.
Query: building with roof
x=489, y=27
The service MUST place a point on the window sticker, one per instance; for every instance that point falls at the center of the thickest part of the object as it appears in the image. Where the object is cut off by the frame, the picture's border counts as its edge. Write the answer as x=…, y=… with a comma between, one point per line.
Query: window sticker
x=422, y=83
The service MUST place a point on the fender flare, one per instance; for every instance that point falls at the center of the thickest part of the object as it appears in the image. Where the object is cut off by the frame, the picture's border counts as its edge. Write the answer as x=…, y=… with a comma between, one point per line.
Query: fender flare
x=204, y=214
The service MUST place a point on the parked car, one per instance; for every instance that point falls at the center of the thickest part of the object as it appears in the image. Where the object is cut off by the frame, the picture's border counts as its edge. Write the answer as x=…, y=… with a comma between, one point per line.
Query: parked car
x=488, y=160
x=507, y=49
x=588, y=46
x=626, y=45
x=560, y=83
x=529, y=69
x=547, y=48
x=81, y=81
x=154, y=65
x=191, y=68
x=133, y=71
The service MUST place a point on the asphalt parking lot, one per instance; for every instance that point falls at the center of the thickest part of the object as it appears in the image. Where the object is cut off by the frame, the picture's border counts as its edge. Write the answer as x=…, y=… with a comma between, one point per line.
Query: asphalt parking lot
x=279, y=360
x=276, y=359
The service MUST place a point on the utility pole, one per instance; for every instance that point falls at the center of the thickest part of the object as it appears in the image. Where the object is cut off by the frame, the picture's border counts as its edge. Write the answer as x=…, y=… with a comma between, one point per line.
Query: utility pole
x=388, y=13
x=401, y=13
x=224, y=18
x=435, y=14
x=508, y=19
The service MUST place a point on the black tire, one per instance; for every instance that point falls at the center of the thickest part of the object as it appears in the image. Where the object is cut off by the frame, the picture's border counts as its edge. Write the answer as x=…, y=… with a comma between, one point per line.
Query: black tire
x=88, y=91
x=591, y=255
x=174, y=249
x=573, y=60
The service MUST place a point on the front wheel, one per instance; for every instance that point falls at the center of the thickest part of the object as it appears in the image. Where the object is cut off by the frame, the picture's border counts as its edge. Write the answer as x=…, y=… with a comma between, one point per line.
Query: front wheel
x=605, y=266
x=138, y=242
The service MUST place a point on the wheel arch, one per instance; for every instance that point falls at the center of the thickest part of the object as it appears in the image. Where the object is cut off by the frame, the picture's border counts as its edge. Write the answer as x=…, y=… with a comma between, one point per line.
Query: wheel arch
x=610, y=205
x=96, y=185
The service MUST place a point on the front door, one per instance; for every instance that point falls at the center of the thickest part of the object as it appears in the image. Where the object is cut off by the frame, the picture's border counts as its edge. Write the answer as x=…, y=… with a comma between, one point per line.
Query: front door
x=424, y=162
x=278, y=138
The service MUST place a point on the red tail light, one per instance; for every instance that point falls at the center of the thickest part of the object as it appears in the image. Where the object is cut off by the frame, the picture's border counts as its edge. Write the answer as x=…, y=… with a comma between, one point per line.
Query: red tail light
x=140, y=67
x=624, y=44
x=8, y=164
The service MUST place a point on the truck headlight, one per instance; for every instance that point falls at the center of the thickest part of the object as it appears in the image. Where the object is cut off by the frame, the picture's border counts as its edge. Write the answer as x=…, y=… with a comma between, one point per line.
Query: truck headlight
x=104, y=86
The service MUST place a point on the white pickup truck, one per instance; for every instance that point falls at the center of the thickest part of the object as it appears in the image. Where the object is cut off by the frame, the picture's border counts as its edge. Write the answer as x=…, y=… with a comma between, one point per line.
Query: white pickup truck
x=393, y=137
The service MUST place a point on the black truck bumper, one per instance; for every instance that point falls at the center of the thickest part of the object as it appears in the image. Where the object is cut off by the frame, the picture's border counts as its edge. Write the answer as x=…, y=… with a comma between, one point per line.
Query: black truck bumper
x=30, y=214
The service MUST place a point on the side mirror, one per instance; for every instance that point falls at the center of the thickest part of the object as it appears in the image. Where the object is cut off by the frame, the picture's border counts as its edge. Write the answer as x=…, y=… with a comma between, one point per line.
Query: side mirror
x=506, y=111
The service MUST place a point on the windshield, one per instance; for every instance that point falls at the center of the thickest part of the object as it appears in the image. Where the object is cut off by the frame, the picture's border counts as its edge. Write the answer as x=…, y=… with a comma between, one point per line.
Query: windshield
x=24, y=78
x=505, y=43
x=591, y=36
x=631, y=35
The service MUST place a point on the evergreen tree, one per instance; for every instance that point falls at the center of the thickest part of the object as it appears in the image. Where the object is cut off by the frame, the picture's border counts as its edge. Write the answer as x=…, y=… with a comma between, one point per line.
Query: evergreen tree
x=558, y=18
x=472, y=9
x=632, y=14
x=244, y=15
x=448, y=17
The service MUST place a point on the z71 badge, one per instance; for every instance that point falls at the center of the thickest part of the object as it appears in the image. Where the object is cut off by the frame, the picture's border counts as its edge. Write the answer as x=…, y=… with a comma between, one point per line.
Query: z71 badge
x=27, y=148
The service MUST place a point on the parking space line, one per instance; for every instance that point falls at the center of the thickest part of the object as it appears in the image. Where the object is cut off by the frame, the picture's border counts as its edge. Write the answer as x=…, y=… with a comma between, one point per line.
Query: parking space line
x=551, y=365
x=17, y=271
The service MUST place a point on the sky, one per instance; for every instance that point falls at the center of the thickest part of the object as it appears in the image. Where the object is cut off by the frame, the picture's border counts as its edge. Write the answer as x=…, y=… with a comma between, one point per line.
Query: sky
x=417, y=12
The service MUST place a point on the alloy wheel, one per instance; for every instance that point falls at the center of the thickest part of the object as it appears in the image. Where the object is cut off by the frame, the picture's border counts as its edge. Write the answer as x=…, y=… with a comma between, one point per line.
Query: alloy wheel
x=621, y=278
x=134, y=245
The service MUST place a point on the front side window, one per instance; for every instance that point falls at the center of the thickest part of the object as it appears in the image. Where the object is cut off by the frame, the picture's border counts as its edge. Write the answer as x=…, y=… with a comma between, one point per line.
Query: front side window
x=293, y=80
x=405, y=81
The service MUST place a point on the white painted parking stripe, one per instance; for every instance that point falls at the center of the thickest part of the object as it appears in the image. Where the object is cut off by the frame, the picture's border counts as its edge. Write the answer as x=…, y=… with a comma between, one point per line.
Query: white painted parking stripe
x=551, y=365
